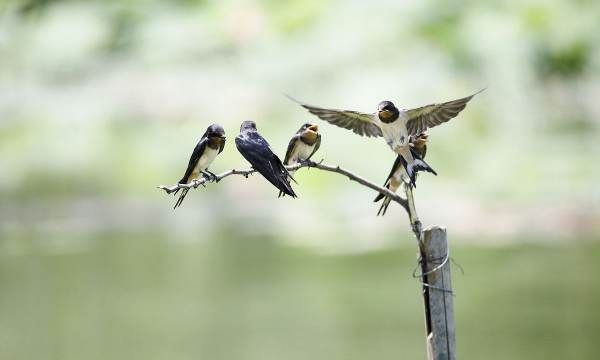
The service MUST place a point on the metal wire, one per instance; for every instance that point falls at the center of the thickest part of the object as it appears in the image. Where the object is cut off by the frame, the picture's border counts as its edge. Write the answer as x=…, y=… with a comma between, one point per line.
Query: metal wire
x=421, y=276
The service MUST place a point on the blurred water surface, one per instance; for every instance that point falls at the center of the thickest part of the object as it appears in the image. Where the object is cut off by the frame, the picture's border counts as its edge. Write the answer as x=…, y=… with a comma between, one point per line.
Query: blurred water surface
x=148, y=296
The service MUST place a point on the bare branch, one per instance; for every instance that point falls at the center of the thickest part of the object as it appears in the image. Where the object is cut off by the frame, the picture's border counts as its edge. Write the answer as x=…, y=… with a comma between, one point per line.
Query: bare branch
x=310, y=164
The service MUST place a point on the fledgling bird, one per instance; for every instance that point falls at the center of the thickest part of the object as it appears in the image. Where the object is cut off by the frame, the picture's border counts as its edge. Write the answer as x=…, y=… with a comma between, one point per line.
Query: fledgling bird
x=305, y=142
x=210, y=145
x=395, y=125
x=258, y=152
x=418, y=147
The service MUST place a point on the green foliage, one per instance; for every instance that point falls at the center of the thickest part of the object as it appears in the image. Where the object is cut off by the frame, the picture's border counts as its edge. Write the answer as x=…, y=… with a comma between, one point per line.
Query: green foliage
x=569, y=61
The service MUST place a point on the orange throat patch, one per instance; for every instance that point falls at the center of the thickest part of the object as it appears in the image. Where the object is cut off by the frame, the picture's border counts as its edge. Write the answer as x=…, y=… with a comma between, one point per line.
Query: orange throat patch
x=309, y=137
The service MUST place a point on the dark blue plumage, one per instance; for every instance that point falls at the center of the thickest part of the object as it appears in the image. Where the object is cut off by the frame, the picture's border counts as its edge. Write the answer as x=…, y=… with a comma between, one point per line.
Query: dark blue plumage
x=257, y=151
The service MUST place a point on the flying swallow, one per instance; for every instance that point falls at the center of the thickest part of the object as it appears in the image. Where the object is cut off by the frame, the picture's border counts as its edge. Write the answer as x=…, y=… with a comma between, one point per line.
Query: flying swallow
x=418, y=148
x=258, y=152
x=305, y=142
x=210, y=145
x=395, y=125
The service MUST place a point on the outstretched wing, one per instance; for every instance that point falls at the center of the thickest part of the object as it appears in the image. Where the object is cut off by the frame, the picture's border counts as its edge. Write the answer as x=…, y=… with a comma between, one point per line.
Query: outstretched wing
x=423, y=118
x=198, y=151
x=362, y=124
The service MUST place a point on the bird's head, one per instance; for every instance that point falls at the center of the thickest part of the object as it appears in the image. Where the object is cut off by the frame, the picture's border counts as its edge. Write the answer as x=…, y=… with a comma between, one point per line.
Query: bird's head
x=387, y=112
x=419, y=143
x=309, y=133
x=248, y=125
x=215, y=131
x=421, y=138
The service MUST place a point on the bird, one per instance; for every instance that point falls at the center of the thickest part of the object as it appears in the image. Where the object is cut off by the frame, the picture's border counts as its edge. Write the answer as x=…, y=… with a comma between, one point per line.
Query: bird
x=209, y=146
x=257, y=151
x=303, y=145
x=395, y=125
x=418, y=147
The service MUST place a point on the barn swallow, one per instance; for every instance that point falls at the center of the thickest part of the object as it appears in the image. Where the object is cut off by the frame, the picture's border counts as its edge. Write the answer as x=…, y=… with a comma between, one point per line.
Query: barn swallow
x=305, y=142
x=418, y=148
x=210, y=145
x=395, y=125
x=258, y=152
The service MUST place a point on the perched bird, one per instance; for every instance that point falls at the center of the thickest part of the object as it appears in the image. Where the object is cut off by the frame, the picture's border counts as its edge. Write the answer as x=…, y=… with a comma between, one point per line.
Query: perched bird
x=395, y=125
x=305, y=142
x=258, y=152
x=210, y=145
x=418, y=148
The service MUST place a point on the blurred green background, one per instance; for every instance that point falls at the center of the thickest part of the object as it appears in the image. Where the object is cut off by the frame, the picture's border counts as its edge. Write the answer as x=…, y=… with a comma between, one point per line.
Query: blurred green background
x=100, y=101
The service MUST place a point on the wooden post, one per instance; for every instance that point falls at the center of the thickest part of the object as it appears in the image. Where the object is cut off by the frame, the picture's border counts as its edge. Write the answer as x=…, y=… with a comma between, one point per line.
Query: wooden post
x=437, y=295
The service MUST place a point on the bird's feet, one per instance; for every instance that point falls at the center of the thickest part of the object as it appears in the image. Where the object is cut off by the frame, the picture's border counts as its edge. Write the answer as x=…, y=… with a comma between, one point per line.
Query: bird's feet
x=210, y=176
x=306, y=162
x=197, y=183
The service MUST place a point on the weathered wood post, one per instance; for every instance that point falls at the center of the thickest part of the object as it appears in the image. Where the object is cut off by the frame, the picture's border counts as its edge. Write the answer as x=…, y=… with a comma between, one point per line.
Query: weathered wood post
x=437, y=295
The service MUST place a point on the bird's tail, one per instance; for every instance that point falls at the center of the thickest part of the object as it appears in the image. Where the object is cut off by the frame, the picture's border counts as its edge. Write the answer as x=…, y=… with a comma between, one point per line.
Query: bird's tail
x=380, y=195
x=181, y=197
x=289, y=177
x=418, y=164
x=384, y=206
x=286, y=189
x=390, y=185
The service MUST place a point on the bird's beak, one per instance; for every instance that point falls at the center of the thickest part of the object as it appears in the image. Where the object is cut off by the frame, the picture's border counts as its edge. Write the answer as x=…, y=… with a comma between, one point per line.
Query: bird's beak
x=314, y=127
x=386, y=114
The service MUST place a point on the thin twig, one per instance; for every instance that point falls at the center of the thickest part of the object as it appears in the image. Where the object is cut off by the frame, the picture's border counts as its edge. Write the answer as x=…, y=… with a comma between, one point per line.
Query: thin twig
x=309, y=164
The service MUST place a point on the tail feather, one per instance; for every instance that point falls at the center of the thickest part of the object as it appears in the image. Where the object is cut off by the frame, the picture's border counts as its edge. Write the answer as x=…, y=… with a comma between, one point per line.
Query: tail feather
x=417, y=165
x=181, y=197
x=286, y=188
x=399, y=161
x=384, y=206
x=379, y=197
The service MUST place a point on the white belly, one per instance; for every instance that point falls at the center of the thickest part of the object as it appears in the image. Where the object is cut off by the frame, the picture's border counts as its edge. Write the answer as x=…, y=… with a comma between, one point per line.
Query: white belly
x=395, y=134
x=301, y=151
x=204, y=162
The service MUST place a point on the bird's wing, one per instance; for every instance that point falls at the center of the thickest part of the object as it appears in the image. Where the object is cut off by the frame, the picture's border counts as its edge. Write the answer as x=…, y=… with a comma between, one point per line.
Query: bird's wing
x=198, y=151
x=257, y=151
x=290, y=149
x=422, y=118
x=317, y=146
x=361, y=123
